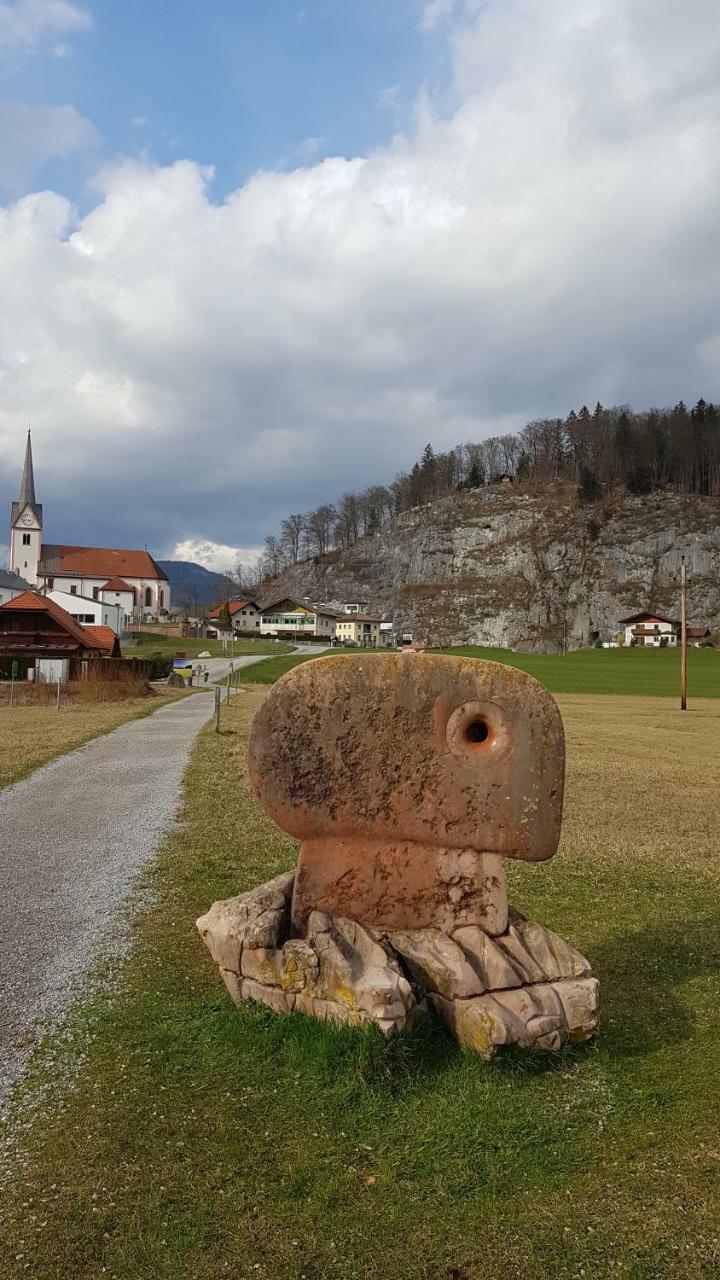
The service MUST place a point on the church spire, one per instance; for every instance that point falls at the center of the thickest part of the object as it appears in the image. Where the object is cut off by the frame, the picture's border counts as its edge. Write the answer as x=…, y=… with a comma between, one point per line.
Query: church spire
x=27, y=484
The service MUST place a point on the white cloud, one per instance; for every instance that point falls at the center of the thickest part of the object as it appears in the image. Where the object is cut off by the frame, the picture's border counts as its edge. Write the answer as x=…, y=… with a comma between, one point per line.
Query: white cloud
x=26, y=22
x=213, y=555
x=548, y=241
x=30, y=136
x=437, y=12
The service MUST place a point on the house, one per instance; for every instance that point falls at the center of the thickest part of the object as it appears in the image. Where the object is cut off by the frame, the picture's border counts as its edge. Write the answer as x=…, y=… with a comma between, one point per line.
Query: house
x=11, y=584
x=650, y=630
x=359, y=629
x=700, y=637
x=89, y=612
x=245, y=615
x=131, y=579
x=42, y=638
x=296, y=619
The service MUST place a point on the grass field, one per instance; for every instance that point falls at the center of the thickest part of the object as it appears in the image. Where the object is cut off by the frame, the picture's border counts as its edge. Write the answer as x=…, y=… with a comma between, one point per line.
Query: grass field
x=148, y=644
x=195, y=1140
x=644, y=673
x=30, y=736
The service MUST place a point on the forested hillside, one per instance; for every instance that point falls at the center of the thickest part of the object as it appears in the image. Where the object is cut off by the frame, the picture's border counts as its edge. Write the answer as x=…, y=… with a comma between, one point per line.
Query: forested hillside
x=593, y=454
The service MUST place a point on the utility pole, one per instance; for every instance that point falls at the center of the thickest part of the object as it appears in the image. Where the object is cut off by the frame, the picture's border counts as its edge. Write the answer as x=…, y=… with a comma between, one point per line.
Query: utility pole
x=683, y=636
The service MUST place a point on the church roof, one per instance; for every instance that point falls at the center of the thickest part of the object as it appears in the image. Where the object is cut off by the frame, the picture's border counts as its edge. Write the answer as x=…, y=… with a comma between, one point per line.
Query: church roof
x=27, y=489
x=98, y=562
x=31, y=600
x=27, y=484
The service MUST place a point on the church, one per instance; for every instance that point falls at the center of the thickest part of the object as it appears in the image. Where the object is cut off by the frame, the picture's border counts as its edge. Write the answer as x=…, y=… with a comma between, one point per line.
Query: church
x=130, y=580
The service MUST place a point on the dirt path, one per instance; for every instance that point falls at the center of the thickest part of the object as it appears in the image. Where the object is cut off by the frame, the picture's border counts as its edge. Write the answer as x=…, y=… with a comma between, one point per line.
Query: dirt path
x=73, y=837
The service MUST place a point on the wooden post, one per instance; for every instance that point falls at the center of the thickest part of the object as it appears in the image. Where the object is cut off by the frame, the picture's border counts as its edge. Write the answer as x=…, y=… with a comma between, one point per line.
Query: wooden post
x=57, y=699
x=12, y=684
x=229, y=682
x=683, y=636
x=217, y=708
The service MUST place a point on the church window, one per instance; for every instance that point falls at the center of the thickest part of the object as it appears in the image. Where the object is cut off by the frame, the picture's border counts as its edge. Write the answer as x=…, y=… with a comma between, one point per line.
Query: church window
x=148, y=597
x=162, y=599
x=26, y=539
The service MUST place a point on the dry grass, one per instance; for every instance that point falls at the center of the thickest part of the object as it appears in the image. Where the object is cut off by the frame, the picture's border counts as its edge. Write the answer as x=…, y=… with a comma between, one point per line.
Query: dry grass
x=33, y=733
x=202, y=1141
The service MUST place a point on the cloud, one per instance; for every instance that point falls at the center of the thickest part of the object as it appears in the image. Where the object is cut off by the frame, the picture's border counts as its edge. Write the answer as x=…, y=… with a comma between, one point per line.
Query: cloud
x=31, y=136
x=437, y=12
x=213, y=555
x=547, y=238
x=26, y=22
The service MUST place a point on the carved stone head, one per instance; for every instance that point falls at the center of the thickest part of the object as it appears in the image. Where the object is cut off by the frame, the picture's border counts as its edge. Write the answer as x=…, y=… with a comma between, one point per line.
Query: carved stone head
x=408, y=778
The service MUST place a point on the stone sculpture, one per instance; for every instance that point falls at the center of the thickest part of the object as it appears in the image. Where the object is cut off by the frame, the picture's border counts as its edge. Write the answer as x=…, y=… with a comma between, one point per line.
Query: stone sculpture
x=408, y=779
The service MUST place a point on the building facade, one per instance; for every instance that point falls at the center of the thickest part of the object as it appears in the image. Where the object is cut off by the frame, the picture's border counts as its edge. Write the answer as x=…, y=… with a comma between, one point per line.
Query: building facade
x=650, y=631
x=128, y=578
x=245, y=616
x=89, y=612
x=359, y=630
x=297, y=619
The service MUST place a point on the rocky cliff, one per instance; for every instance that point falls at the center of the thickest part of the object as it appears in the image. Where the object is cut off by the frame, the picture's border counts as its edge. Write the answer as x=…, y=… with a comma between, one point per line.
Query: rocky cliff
x=498, y=567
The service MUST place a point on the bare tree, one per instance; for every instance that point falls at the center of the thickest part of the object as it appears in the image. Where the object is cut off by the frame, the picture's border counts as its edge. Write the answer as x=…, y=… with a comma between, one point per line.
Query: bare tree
x=292, y=533
x=318, y=529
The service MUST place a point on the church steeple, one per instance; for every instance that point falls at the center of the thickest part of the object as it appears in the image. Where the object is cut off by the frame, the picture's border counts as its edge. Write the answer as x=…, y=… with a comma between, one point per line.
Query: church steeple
x=27, y=484
x=26, y=524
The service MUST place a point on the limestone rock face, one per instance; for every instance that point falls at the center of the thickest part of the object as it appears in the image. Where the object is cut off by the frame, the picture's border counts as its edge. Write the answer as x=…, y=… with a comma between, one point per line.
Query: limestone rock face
x=481, y=567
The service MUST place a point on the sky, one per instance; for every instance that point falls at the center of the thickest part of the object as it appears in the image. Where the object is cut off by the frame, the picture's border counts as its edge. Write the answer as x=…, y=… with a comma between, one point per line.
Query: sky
x=254, y=253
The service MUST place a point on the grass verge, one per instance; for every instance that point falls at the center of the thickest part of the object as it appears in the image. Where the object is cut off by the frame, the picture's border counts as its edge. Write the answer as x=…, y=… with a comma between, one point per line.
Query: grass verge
x=202, y=1141
x=30, y=736
x=147, y=644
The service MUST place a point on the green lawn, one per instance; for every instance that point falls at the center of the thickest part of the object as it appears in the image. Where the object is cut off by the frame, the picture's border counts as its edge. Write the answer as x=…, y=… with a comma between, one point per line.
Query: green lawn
x=176, y=1136
x=640, y=672
x=148, y=644
x=645, y=672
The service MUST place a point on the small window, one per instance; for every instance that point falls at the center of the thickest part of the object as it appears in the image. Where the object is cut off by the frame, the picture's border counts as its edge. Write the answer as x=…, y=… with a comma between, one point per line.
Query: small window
x=50, y=583
x=96, y=593
x=26, y=539
x=73, y=590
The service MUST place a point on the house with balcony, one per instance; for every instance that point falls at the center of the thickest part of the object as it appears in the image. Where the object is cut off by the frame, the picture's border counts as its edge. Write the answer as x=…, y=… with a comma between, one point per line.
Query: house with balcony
x=650, y=630
x=359, y=630
x=298, y=620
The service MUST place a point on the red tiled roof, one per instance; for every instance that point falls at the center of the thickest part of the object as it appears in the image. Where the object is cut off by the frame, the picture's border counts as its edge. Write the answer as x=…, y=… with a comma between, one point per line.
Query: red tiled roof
x=117, y=584
x=105, y=636
x=98, y=562
x=233, y=605
x=30, y=600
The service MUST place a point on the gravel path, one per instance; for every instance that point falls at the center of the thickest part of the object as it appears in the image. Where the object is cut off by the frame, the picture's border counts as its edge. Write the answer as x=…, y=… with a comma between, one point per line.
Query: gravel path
x=73, y=837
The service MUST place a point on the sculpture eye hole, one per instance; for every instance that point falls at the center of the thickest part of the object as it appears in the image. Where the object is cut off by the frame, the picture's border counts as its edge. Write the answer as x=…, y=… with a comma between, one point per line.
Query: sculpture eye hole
x=477, y=731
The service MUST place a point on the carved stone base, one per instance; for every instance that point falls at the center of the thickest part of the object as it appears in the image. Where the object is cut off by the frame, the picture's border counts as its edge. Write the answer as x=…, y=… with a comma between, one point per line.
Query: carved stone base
x=525, y=986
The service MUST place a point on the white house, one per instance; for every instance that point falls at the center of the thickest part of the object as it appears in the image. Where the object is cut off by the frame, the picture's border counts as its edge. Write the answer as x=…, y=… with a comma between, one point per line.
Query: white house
x=245, y=615
x=650, y=630
x=290, y=618
x=130, y=579
x=11, y=585
x=94, y=613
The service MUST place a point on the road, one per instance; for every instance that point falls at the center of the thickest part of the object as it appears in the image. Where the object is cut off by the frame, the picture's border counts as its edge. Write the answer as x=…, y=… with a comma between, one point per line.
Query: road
x=73, y=838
